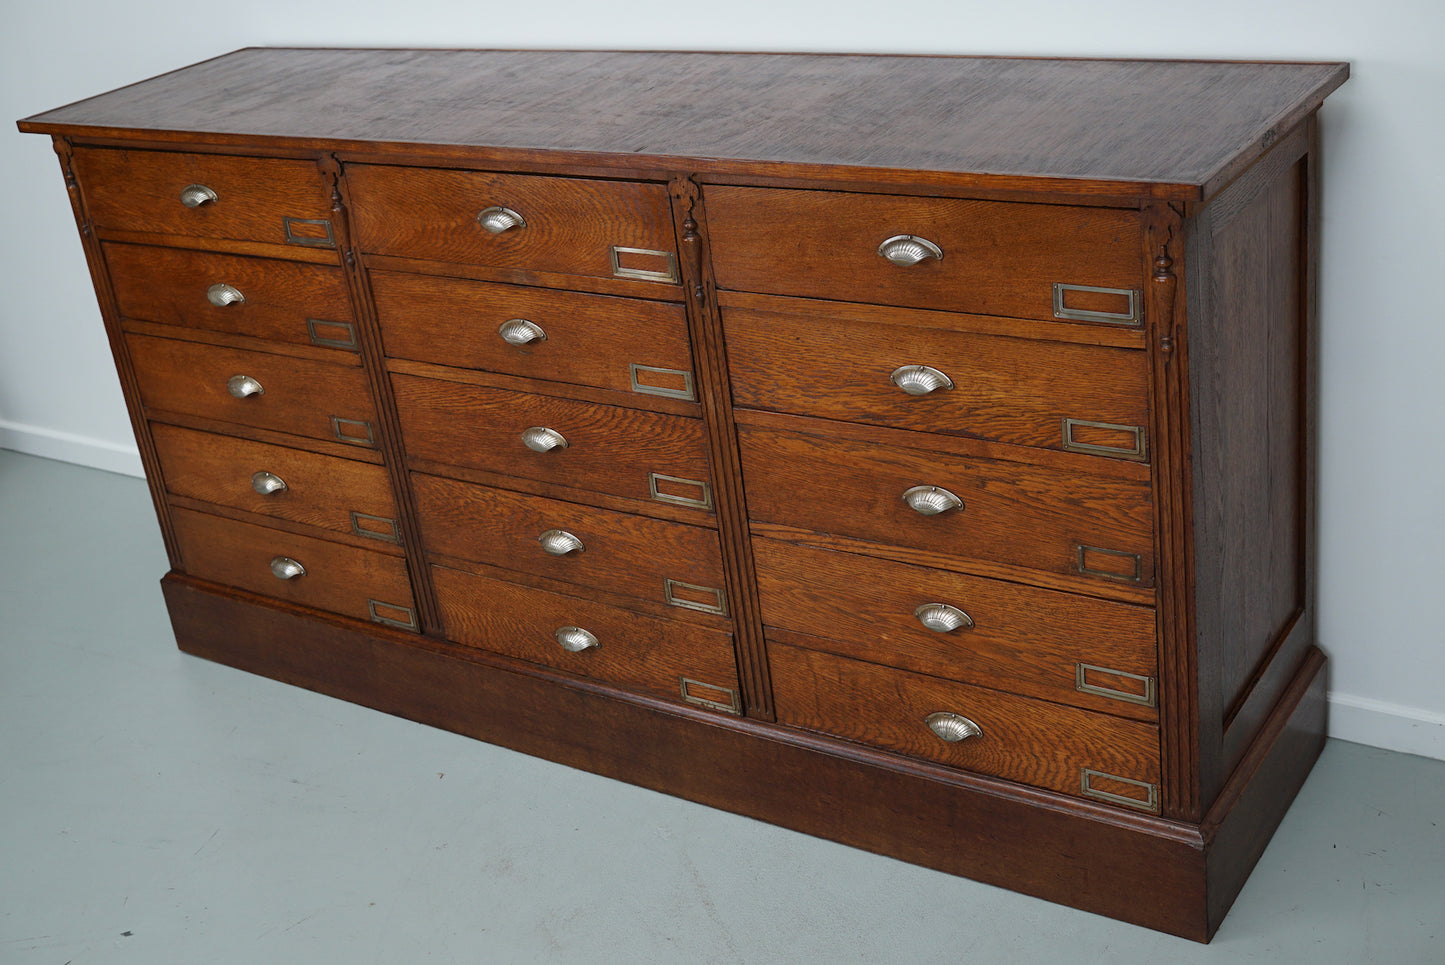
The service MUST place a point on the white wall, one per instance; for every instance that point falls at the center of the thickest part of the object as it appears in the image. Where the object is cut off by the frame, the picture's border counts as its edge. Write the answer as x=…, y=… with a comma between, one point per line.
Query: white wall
x=1382, y=529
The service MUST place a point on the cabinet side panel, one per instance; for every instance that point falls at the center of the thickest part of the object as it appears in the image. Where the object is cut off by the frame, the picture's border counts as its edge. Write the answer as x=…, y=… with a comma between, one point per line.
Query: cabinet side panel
x=1249, y=416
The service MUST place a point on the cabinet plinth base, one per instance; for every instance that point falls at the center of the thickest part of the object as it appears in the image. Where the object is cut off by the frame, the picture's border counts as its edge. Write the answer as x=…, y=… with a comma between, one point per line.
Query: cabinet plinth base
x=1170, y=876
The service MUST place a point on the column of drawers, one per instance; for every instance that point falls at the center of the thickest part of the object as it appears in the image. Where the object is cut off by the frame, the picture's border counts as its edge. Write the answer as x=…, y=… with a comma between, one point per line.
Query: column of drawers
x=538, y=353
x=943, y=412
x=240, y=330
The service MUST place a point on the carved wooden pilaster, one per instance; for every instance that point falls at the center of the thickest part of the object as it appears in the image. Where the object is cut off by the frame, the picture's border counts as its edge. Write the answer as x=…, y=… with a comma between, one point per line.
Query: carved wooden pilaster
x=715, y=394
x=373, y=362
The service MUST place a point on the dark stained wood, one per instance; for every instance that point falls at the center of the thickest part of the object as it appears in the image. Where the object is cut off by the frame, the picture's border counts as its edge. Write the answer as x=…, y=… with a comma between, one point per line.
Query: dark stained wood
x=608, y=449
x=571, y=223
x=634, y=651
x=1004, y=389
x=1023, y=639
x=1189, y=565
x=1042, y=744
x=1170, y=304
x=632, y=555
x=1102, y=859
x=300, y=397
x=1012, y=512
x=168, y=286
x=1186, y=123
x=1252, y=804
x=1246, y=404
x=140, y=191
x=998, y=258
x=339, y=578
x=715, y=383
x=321, y=491
x=589, y=339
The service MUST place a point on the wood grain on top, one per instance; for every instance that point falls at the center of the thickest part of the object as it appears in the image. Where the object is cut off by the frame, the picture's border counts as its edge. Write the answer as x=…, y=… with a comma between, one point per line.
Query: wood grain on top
x=1178, y=123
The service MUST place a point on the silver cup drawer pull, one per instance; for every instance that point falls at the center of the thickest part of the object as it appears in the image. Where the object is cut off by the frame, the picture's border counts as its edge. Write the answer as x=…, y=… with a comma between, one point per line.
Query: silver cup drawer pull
x=931, y=500
x=243, y=386
x=575, y=639
x=195, y=195
x=942, y=618
x=285, y=568
x=542, y=439
x=498, y=219
x=221, y=295
x=920, y=379
x=559, y=542
x=520, y=331
x=952, y=727
x=266, y=483
x=907, y=250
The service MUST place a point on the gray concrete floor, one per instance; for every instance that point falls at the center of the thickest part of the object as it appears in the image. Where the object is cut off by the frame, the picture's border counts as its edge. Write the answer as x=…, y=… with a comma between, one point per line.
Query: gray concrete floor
x=156, y=808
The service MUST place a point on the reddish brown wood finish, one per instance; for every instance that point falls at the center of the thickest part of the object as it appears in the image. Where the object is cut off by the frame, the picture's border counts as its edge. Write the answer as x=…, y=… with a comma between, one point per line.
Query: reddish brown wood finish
x=299, y=397
x=632, y=555
x=762, y=186
x=342, y=579
x=998, y=258
x=608, y=449
x=1034, y=742
x=283, y=301
x=633, y=651
x=1003, y=389
x=1012, y=512
x=570, y=224
x=141, y=191
x=1022, y=639
x=988, y=123
x=587, y=339
x=340, y=495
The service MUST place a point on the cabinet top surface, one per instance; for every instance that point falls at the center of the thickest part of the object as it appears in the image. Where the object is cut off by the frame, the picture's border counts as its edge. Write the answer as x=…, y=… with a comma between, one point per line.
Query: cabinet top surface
x=1171, y=128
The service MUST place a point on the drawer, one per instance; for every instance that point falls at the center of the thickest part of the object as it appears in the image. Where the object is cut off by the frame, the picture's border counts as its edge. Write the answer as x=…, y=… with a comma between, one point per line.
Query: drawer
x=1057, y=646
x=664, y=562
x=998, y=258
x=284, y=301
x=299, y=396
x=275, y=200
x=574, y=226
x=678, y=661
x=625, y=344
x=304, y=487
x=1057, y=395
x=1088, y=526
x=622, y=452
x=343, y=579
x=1030, y=741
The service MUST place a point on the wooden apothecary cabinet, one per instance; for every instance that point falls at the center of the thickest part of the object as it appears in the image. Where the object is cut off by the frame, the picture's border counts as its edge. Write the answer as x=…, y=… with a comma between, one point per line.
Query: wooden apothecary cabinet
x=912, y=451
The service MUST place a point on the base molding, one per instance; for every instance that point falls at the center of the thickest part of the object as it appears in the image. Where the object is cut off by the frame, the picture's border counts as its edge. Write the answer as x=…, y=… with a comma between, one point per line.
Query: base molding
x=69, y=447
x=1166, y=875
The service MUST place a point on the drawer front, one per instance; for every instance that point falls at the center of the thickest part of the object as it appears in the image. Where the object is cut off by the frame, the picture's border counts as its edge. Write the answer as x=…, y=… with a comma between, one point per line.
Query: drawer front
x=622, y=452
x=678, y=661
x=284, y=301
x=664, y=562
x=1054, y=395
x=271, y=200
x=1030, y=741
x=1067, y=522
x=299, y=396
x=606, y=229
x=998, y=258
x=342, y=579
x=337, y=494
x=625, y=344
x=1057, y=646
